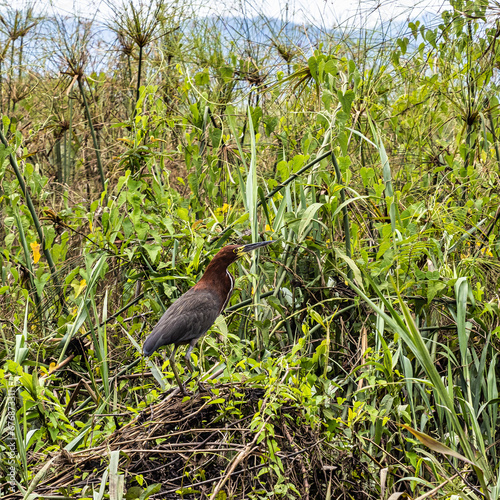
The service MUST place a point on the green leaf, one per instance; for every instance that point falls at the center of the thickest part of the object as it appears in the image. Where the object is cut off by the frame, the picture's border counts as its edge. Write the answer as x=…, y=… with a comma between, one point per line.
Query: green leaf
x=215, y=136
x=227, y=73
x=433, y=289
x=346, y=100
x=430, y=36
x=354, y=268
x=153, y=251
x=202, y=78
x=306, y=219
x=150, y=490
x=183, y=214
x=367, y=175
x=313, y=67
x=270, y=124
x=217, y=401
x=403, y=44
x=256, y=114
x=331, y=67
x=133, y=493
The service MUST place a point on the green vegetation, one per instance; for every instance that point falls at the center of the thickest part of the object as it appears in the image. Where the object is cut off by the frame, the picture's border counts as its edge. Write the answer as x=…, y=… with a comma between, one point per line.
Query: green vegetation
x=358, y=357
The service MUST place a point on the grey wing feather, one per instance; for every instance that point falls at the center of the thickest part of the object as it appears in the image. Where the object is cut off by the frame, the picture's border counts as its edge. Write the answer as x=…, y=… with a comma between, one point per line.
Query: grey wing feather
x=187, y=319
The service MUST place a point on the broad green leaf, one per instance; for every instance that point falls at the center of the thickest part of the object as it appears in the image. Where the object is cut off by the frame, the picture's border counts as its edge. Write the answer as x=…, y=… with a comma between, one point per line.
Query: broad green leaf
x=346, y=99
x=354, y=268
x=306, y=219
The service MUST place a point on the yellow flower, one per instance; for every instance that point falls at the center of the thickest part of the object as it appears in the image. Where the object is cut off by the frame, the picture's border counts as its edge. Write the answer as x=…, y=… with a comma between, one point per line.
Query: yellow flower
x=486, y=251
x=79, y=288
x=36, y=251
x=223, y=209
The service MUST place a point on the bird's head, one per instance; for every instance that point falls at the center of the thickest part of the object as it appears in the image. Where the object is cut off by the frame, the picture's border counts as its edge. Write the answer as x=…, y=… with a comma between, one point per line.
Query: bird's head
x=241, y=250
x=230, y=253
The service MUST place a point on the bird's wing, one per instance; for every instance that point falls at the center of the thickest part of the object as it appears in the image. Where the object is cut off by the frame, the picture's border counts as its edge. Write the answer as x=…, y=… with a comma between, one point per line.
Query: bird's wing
x=187, y=319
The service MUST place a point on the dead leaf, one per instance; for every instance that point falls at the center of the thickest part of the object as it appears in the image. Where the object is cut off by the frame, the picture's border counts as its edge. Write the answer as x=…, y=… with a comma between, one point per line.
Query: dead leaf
x=435, y=445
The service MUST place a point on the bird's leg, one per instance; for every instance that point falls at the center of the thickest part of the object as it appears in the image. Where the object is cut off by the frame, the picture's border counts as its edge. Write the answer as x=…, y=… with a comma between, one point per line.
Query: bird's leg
x=190, y=366
x=188, y=358
x=174, y=369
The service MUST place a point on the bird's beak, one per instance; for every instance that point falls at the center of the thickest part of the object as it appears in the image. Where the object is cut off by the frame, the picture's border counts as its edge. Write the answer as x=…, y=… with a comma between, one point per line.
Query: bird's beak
x=254, y=246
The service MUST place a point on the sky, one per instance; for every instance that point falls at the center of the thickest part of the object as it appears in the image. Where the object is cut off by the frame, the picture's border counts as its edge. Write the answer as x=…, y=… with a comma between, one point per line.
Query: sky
x=321, y=13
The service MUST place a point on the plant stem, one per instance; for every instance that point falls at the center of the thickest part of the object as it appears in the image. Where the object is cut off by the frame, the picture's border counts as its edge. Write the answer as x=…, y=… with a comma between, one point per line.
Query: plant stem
x=31, y=207
x=70, y=133
x=11, y=76
x=139, y=70
x=295, y=175
x=93, y=134
x=347, y=231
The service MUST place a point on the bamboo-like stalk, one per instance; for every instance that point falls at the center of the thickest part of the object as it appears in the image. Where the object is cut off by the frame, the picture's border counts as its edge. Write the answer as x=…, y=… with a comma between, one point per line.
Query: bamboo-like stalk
x=347, y=231
x=65, y=157
x=59, y=165
x=2, y=59
x=494, y=135
x=31, y=207
x=93, y=134
x=17, y=23
x=27, y=256
x=11, y=76
x=19, y=67
x=292, y=177
x=139, y=71
x=204, y=130
x=467, y=158
x=497, y=153
x=1, y=85
x=7, y=43
x=70, y=133
x=139, y=25
x=20, y=60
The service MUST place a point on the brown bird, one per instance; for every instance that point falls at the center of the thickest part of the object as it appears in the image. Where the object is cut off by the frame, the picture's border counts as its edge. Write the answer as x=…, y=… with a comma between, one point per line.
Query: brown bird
x=192, y=314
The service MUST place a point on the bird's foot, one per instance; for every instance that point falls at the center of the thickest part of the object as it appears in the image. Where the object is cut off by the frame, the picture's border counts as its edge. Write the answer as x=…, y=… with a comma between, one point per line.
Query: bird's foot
x=173, y=390
x=203, y=387
x=183, y=390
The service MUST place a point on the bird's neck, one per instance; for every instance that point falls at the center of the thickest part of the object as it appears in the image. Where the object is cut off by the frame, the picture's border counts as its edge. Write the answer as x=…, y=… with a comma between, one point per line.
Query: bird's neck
x=219, y=280
x=216, y=279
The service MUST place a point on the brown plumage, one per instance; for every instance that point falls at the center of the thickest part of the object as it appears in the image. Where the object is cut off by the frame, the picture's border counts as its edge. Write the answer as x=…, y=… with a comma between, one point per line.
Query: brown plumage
x=192, y=314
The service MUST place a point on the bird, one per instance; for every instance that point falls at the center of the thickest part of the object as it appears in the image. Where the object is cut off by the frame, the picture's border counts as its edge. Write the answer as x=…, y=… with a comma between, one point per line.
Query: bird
x=194, y=312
